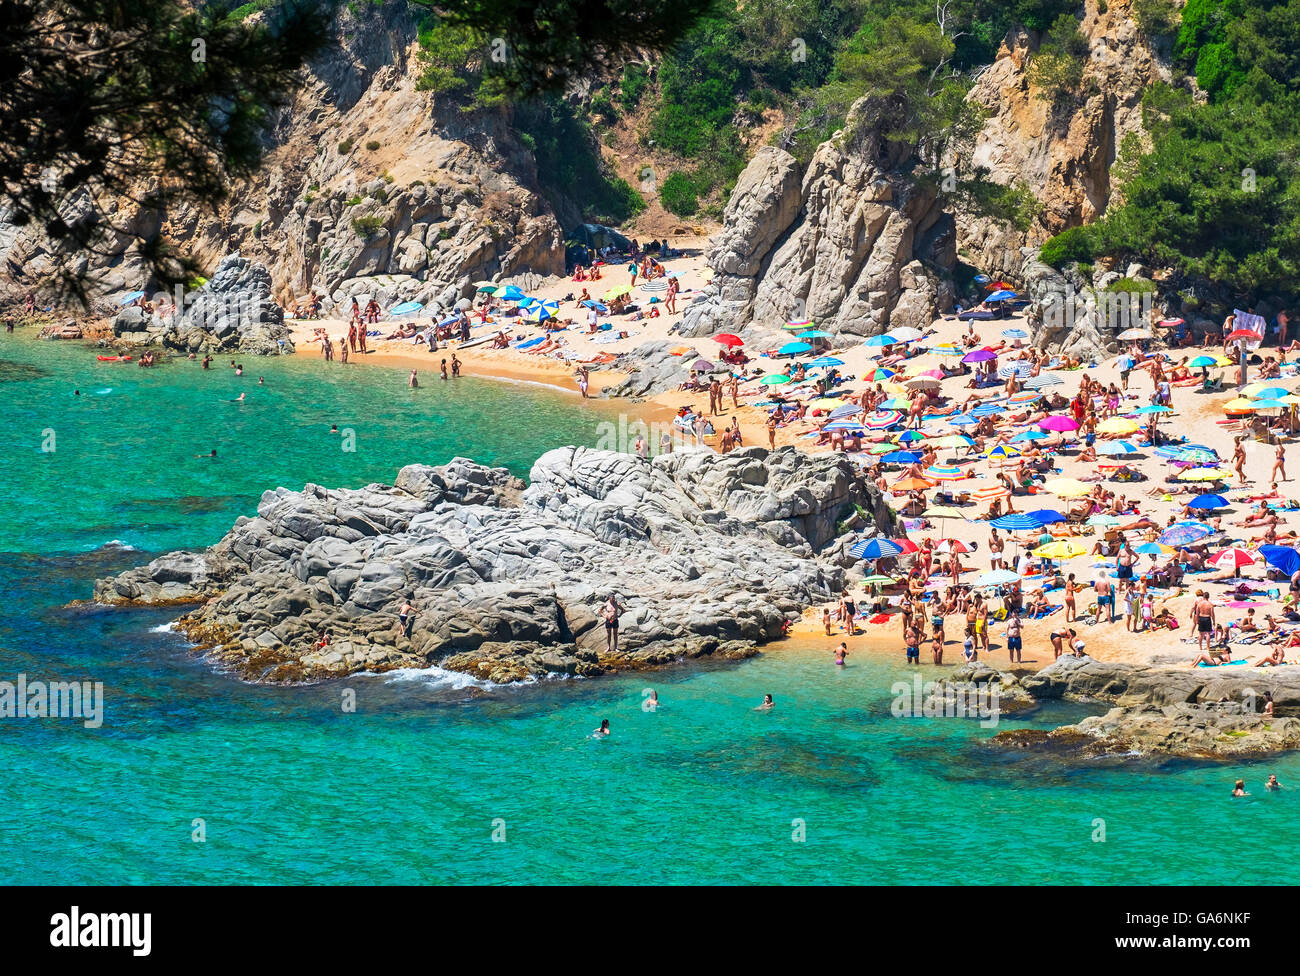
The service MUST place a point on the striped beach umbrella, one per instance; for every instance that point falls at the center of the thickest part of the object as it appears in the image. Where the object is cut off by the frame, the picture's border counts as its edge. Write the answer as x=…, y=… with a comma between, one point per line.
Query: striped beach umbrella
x=877, y=374
x=1233, y=558
x=996, y=577
x=875, y=548
x=1016, y=522
x=1184, y=533
x=944, y=472
x=1022, y=399
x=881, y=419
x=1042, y=380
x=1015, y=334
x=911, y=437
x=1022, y=370
x=987, y=410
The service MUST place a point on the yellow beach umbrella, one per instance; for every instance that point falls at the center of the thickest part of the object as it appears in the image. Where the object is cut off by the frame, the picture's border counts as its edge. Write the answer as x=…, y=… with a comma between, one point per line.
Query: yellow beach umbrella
x=943, y=511
x=1117, y=425
x=827, y=403
x=1290, y=398
x=1205, y=474
x=1238, y=405
x=1067, y=488
x=616, y=291
x=1061, y=549
x=894, y=389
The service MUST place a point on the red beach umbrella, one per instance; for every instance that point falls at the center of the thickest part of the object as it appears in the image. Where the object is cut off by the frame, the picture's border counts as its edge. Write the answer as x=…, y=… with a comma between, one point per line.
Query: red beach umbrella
x=727, y=339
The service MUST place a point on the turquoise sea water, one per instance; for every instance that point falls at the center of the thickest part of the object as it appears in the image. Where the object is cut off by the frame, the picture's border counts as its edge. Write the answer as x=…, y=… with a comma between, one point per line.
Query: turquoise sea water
x=412, y=786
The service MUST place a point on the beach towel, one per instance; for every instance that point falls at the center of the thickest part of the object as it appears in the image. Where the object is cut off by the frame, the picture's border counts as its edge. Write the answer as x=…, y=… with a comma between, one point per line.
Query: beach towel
x=1225, y=664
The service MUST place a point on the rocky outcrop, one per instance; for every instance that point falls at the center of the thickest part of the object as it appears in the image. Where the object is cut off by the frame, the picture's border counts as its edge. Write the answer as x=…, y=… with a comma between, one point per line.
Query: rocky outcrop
x=711, y=554
x=1204, y=713
x=867, y=248
x=233, y=311
x=1061, y=152
x=370, y=186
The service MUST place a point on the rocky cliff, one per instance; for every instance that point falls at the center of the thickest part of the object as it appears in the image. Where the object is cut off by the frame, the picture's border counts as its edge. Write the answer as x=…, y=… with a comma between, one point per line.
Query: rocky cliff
x=370, y=186
x=711, y=554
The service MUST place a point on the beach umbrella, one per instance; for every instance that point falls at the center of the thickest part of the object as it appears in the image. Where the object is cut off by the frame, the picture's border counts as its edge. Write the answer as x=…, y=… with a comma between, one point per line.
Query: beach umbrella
x=1262, y=391
x=1116, y=448
x=1233, y=558
x=406, y=308
x=1000, y=296
x=1128, y=334
x=882, y=419
x=679, y=350
x=1283, y=558
x=825, y=362
x=1184, y=534
x=879, y=340
x=798, y=324
x=1152, y=549
x=1067, y=488
x=910, y=484
x=875, y=549
x=1059, y=422
x=814, y=334
x=775, y=379
x=1015, y=334
x=987, y=410
x=905, y=334
x=1239, y=405
x=895, y=403
x=1196, y=453
x=1047, y=516
x=727, y=339
x=130, y=297
x=1153, y=408
x=943, y=511
x=1117, y=425
x=1270, y=405
x=1205, y=474
x=979, y=356
x=951, y=545
x=701, y=366
x=946, y=349
x=922, y=383
x=793, y=349
x=848, y=410
x=1042, y=380
x=1029, y=435
x=908, y=546
x=878, y=579
x=877, y=374
x=910, y=437
x=1061, y=549
x=900, y=457
x=1021, y=370
x=1016, y=522
x=511, y=293
x=944, y=472
x=963, y=420
x=1004, y=451
x=616, y=291
x=1244, y=335
x=996, y=577
x=488, y=289
x=953, y=441
x=1204, y=362
x=830, y=403
x=1208, y=501
x=1023, y=399
x=982, y=279
x=1103, y=520
x=842, y=425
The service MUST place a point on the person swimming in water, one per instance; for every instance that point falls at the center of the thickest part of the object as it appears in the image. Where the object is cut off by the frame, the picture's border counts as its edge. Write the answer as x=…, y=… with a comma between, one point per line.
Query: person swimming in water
x=603, y=731
x=650, y=700
x=334, y=428
x=1239, y=788
x=767, y=704
x=212, y=455
x=841, y=653
x=239, y=399
x=1272, y=783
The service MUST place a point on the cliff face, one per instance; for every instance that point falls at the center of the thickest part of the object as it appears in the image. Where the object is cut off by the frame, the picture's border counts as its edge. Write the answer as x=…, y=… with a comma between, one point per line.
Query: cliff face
x=421, y=201
x=1064, y=154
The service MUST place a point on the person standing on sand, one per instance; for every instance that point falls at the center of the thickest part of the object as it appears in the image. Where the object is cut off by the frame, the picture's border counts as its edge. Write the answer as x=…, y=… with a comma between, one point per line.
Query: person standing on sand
x=1203, y=614
x=584, y=381
x=632, y=270
x=670, y=300
x=826, y=620
x=1105, y=590
x=1014, y=639
x=412, y=382
x=1279, y=464
x=715, y=397
x=771, y=432
x=996, y=545
x=361, y=338
x=1071, y=588
x=352, y=335
x=1239, y=457
x=733, y=387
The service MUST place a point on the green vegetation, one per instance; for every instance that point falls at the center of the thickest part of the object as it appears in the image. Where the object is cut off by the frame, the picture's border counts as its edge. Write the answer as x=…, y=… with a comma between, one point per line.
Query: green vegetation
x=1156, y=18
x=345, y=147
x=1218, y=196
x=373, y=145
x=1057, y=68
x=678, y=195
x=1130, y=286
x=367, y=227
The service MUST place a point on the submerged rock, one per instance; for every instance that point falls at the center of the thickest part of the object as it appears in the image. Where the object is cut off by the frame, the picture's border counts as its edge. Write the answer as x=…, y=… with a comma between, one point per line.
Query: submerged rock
x=710, y=554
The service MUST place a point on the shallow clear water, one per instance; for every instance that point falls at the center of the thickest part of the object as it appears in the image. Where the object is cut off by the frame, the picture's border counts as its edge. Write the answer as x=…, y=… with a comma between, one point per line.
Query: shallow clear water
x=411, y=786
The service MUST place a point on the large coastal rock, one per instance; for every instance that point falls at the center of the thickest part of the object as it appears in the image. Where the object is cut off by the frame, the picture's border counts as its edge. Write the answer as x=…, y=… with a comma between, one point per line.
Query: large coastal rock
x=1061, y=152
x=233, y=311
x=866, y=249
x=370, y=186
x=710, y=553
x=1203, y=713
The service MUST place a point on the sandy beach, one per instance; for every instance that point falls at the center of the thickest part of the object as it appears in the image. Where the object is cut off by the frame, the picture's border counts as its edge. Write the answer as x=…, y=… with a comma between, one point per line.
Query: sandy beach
x=1198, y=416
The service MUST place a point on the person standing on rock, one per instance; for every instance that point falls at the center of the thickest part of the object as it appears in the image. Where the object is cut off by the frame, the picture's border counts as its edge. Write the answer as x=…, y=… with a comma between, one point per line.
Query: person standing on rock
x=406, y=617
x=1203, y=614
x=611, y=611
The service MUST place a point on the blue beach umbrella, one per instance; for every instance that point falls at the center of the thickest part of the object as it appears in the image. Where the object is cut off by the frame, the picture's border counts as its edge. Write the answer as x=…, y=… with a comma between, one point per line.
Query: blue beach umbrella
x=1017, y=522
x=793, y=349
x=1283, y=558
x=406, y=308
x=1000, y=296
x=875, y=549
x=1116, y=448
x=1030, y=435
x=982, y=279
x=1153, y=408
x=996, y=577
x=130, y=297
x=879, y=340
x=1042, y=380
x=1015, y=334
x=910, y=437
x=511, y=293
x=1184, y=534
x=987, y=410
x=1103, y=520
x=963, y=420
x=900, y=457
x=813, y=334
x=826, y=362
x=842, y=425
x=1150, y=549
x=1209, y=500
x=1272, y=393
x=1002, y=451
x=1047, y=516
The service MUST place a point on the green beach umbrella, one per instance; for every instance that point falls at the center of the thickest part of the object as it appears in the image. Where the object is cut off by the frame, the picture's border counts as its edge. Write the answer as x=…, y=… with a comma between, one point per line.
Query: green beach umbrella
x=776, y=379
